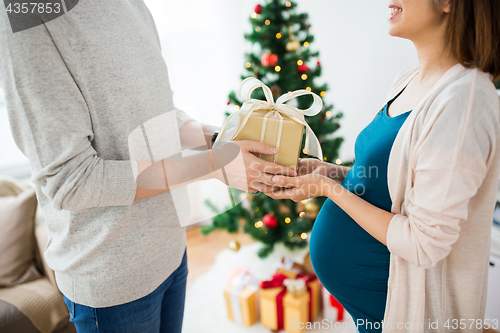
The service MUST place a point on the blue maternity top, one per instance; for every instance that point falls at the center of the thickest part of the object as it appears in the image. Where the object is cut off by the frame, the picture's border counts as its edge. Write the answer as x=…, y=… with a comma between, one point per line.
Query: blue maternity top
x=351, y=264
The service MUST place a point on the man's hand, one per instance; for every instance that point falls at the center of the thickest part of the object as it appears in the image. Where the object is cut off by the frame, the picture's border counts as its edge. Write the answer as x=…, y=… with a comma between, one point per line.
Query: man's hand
x=257, y=173
x=302, y=187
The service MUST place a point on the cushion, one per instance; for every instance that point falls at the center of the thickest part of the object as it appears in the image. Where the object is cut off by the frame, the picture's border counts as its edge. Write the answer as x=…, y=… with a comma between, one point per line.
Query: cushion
x=17, y=239
x=14, y=321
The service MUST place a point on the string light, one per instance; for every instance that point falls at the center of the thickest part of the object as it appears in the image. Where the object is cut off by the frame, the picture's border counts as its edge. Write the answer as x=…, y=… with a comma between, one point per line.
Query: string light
x=324, y=158
x=338, y=161
x=248, y=65
x=308, y=88
x=267, y=22
x=289, y=4
x=257, y=29
x=237, y=107
x=304, y=202
x=304, y=77
x=243, y=195
x=290, y=234
x=278, y=35
x=306, y=44
x=303, y=235
x=259, y=224
x=323, y=93
x=304, y=151
x=288, y=220
x=302, y=214
x=300, y=62
x=277, y=68
x=254, y=15
x=328, y=113
x=256, y=209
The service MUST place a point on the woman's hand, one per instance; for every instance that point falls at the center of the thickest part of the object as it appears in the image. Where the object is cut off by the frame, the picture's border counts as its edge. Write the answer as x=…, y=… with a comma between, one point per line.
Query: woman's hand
x=302, y=187
x=314, y=166
x=308, y=166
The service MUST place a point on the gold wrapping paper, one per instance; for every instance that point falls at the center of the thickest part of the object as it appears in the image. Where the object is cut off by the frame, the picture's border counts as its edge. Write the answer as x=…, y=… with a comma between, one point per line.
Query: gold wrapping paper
x=315, y=298
x=296, y=309
x=268, y=308
x=291, y=137
x=289, y=274
x=247, y=299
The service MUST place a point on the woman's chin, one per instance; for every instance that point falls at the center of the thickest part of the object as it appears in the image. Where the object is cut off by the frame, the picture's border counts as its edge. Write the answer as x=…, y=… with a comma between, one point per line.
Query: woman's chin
x=393, y=31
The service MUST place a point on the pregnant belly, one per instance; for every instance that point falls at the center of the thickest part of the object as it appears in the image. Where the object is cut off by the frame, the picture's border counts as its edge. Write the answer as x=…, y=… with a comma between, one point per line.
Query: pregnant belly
x=345, y=256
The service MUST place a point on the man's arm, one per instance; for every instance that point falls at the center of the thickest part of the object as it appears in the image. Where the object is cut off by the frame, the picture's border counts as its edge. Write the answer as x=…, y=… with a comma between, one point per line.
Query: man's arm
x=51, y=125
x=195, y=135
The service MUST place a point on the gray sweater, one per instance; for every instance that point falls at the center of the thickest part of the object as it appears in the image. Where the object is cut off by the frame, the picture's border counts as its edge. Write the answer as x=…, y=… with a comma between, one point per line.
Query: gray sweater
x=76, y=88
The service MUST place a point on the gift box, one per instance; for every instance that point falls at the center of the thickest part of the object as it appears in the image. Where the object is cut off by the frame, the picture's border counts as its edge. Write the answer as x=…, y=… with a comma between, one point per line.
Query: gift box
x=260, y=127
x=282, y=301
x=332, y=309
x=315, y=287
x=289, y=268
x=271, y=307
x=296, y=306
x=241, y=296
x=277, y=124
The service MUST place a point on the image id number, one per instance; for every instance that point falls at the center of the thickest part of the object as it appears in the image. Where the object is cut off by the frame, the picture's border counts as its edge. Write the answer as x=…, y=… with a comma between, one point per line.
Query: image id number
x=33, y=8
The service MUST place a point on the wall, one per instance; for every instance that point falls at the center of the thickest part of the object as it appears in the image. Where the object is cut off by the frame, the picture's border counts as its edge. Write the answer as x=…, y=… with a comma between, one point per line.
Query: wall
x=203, y=45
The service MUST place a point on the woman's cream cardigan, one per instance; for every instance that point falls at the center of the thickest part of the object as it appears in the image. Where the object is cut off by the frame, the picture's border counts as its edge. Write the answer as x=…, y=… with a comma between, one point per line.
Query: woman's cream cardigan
x=443, y=176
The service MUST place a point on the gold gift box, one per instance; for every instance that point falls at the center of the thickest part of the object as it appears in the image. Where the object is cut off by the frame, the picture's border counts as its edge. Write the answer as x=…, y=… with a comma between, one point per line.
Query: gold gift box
x=248, y=305
x=268, y=307
x=289, y=274
x=315, y=298
x=291, y=136
x=296, y=309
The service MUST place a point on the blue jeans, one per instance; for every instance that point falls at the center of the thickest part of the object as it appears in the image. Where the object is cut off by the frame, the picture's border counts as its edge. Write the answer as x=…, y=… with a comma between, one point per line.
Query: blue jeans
x=160, y=311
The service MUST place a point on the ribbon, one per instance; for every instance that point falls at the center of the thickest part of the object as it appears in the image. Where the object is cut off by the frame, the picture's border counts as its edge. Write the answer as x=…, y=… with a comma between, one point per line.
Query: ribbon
x=277, y=281
x=276, y=110
x=340, y=309
x=239, y=282
x=287, y=264
x=296, y=287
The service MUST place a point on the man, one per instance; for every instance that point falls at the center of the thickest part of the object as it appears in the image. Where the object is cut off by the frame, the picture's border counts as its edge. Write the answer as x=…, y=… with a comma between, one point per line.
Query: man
x=76, y=88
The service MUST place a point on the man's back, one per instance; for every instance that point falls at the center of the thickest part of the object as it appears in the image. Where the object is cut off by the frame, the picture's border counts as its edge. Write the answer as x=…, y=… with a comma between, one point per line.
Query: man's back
x=76, y=88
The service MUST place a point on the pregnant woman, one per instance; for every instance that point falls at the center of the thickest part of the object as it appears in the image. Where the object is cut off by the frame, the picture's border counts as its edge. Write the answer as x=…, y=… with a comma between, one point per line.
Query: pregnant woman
x=403, y=237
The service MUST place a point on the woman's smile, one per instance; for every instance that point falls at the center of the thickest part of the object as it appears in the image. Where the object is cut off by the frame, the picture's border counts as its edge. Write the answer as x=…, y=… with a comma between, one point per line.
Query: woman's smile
x=393, y=11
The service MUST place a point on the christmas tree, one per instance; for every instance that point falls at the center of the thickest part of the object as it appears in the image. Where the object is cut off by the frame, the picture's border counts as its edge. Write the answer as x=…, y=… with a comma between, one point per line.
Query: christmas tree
x=283, y=60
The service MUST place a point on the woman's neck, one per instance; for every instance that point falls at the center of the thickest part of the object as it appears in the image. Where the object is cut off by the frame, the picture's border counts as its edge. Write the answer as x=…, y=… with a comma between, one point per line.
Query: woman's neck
x=434, y=59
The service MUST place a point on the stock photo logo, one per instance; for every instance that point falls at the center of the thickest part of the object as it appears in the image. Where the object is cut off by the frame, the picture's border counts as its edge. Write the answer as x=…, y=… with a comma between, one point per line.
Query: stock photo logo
x=24, y=15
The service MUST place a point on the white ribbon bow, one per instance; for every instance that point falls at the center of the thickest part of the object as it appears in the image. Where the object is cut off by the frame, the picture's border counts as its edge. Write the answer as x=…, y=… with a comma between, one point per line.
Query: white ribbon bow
x=241, y=281
x=295, y=286
x=275, y=111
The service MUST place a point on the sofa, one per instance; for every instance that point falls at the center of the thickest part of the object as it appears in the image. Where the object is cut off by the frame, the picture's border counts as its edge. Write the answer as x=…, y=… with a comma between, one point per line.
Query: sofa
x=29, y=298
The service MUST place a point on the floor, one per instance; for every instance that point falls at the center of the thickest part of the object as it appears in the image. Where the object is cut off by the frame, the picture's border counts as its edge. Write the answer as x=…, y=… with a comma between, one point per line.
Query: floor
x=201, y=250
